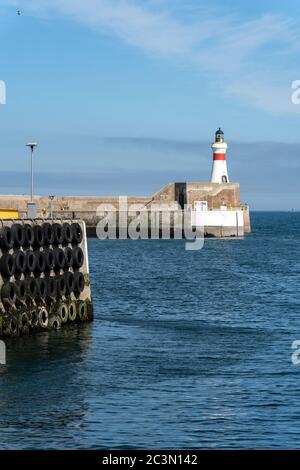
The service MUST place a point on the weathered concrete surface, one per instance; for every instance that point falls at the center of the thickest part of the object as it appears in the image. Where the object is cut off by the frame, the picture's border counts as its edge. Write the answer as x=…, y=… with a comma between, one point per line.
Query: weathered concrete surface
x=247, y=223
x=65, y=205
x=213, y=193
x=85, y=207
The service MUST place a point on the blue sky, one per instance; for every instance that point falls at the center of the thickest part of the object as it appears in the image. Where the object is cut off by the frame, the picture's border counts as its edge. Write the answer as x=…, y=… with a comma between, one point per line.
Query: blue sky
x=124, y=96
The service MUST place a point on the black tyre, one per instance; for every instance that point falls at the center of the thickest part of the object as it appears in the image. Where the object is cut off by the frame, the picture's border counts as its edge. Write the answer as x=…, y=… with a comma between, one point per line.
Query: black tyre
x=78, y=257
x=54, y=322
x=48, y=234
x=21, y=291
x=51, y=287
x=8, y=293
x=10, y=326
x=59, y=258
x=68, y=257
x=58, y=234
x=30, y=261
x=29, y=235
x=61, y=286
x=20, y=261
x=40, y=262
x=42, y=288
x=34, y=322
x=63, y=312
x=81, y=310
x=7, y=265
x=19, y=234
x=68, y=234
x=43, y=317
x=79, y=282
x=6, y=238
x=31, y=288
x=76, y=233
x=72, y=311
x=49, y=259
x=39, y=237
x=69, y=280
x=24, y=320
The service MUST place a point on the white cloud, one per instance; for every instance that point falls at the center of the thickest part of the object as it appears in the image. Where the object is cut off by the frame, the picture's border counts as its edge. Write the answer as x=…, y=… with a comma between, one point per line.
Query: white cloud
x=248, y=56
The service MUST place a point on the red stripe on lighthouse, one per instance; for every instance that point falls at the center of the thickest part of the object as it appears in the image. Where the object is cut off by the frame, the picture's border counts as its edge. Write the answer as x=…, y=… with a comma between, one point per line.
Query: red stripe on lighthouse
x=219, y=156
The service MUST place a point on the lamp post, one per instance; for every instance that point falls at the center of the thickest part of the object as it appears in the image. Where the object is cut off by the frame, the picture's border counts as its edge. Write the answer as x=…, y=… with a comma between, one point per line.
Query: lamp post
x=32, y=146
x=51, y=208
x=31, y=206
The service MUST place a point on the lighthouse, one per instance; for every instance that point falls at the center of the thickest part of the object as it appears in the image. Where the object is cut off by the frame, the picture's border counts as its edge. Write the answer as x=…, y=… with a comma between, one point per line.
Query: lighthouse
x=219, y=173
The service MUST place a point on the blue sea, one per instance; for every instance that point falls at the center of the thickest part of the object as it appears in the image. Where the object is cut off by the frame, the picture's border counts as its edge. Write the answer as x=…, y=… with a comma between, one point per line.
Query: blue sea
x=188, y=349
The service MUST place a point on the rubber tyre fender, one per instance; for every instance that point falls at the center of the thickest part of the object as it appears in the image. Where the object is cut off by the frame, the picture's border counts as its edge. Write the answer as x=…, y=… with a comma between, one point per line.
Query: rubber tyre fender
x=48, y=234
x=58, y=234
x=68, y=257
x=40, y=261
x=7, y=265
x=72, y=311
x=78, y=257
x=59, y=258
x=77, y=233
x=42, y=288
x=20, y=261
x=70, y=283
x=79, y=283
x=6, y=238
x=19, y=234
x=61, y=286
x=30, y=316
x=34, y=322
x=51, y=287
x=39, y=237
x=49, y=259
x=81, y=310
x=23, y=320
x=31, y=288
x=8, y=293
x=21, y=292
x=54, y=322
x=30, y=261
x=10, y=327
x=63, y=312
x=68, y=233
x=43, y=317
x=29, y=235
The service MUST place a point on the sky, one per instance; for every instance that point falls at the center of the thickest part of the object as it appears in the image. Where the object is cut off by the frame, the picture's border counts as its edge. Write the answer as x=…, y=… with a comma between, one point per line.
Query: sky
x=124, y=96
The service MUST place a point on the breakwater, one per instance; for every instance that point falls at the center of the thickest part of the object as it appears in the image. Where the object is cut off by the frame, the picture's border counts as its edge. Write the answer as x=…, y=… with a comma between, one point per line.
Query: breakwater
x=215, y=195
x=44, y=275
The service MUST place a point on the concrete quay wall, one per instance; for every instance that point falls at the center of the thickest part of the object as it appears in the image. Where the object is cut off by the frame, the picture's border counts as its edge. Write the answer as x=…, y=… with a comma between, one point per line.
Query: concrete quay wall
x=182, y=194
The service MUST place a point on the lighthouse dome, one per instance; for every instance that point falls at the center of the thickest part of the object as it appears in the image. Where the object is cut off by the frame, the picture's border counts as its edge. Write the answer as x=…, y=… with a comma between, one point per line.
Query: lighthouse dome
x=219, y=135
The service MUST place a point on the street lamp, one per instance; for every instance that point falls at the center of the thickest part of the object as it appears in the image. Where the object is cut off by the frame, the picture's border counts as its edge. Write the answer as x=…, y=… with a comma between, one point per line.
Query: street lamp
x=32, y=146
x=51, y=209
x=31, y=206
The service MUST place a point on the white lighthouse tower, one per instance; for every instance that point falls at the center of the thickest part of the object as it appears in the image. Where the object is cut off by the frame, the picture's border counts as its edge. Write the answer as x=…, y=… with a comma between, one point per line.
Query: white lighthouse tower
x=219, y=173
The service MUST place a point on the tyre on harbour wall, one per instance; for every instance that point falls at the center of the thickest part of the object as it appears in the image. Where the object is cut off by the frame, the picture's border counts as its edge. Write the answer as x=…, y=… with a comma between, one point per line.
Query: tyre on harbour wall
x=44, y=275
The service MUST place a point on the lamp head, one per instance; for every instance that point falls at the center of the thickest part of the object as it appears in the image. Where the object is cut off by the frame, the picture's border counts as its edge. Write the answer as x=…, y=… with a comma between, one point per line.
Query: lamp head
x=32, y=145
x=219, y=135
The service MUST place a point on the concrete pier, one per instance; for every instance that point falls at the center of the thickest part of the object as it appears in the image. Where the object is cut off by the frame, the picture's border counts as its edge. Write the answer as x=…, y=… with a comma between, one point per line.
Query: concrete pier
x=216, y=195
